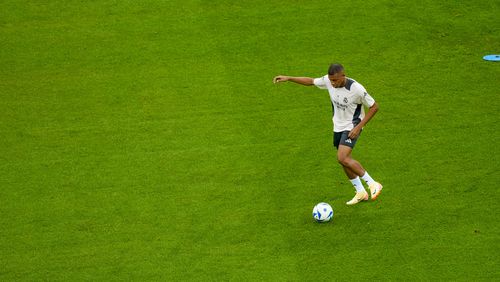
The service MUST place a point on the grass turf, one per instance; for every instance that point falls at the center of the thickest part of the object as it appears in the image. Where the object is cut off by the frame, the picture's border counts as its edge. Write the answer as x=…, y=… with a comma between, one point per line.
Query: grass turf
x=145, y=141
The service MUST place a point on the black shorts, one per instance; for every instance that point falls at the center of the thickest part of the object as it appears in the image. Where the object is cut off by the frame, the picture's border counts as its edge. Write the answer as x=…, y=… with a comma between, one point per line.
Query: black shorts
x=342, y=138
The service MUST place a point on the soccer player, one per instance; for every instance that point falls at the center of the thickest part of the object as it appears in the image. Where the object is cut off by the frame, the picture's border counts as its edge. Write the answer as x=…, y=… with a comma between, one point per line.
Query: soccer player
x=348, y=98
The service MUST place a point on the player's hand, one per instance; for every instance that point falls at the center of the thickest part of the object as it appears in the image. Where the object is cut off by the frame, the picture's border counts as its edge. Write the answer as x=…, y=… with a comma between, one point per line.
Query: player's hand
x=355, y=132
x=280, y=78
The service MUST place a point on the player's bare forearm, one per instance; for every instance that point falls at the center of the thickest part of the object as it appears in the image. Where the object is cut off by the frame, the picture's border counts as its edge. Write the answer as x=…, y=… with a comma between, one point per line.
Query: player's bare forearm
x=371, y=112
x=357, y=130
x=299, y=80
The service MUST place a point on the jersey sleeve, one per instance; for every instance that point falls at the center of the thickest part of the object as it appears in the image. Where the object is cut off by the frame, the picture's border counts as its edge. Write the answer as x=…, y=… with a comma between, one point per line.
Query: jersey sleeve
x=366, y=99
x=320, y=82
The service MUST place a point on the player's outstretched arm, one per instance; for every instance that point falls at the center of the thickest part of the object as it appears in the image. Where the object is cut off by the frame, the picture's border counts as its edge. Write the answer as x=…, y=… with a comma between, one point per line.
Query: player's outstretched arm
x=300, y=80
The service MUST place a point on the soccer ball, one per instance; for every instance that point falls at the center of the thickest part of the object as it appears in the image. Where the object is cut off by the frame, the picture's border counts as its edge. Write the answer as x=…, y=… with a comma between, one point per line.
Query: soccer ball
x=322, y=212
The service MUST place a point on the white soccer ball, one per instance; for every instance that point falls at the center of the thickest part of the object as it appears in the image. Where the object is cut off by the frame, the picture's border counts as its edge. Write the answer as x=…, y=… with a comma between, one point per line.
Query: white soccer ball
x=322, y=212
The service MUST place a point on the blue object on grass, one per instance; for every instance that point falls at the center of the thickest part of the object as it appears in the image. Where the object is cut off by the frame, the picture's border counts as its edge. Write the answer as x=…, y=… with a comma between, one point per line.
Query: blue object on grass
x=494, y=58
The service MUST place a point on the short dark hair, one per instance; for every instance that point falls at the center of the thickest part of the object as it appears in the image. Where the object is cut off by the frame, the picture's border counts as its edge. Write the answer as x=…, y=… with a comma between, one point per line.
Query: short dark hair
x=335, y=68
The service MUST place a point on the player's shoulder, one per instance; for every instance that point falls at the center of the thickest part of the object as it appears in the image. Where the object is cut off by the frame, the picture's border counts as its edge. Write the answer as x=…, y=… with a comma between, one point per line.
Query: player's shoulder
x=350, y=84
x=353, y=85
x=321, y=79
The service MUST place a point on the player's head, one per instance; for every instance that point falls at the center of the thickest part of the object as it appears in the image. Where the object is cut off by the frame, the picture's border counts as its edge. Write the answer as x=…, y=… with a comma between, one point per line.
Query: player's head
x=336, y=75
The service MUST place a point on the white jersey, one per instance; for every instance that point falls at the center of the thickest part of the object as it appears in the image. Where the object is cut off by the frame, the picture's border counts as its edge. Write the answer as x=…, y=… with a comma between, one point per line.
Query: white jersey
x=347, y=102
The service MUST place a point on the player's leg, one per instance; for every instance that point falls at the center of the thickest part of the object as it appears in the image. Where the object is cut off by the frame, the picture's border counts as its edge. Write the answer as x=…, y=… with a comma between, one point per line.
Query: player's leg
x=350, y=174
x=343, y=156
x=361, y=194
x=351, y=166
x=344, y=149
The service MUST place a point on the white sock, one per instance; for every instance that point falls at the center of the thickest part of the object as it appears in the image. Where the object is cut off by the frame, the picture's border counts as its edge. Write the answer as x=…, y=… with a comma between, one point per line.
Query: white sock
x=367, y=178
x=357, y=184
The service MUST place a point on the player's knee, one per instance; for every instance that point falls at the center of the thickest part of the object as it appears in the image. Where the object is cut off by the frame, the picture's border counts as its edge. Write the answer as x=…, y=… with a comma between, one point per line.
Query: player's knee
x=343, y=160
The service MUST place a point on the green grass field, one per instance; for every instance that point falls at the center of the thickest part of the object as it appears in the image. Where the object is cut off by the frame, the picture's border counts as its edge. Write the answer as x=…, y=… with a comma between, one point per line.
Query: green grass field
x=144, y=140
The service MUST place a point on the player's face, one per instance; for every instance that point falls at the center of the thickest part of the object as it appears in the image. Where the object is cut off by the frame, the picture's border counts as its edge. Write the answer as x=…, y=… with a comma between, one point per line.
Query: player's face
x=338, y=79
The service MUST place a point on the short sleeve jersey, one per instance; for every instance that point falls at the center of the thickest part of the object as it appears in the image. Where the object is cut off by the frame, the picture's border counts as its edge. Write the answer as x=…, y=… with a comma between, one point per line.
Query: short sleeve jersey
x=347, y=102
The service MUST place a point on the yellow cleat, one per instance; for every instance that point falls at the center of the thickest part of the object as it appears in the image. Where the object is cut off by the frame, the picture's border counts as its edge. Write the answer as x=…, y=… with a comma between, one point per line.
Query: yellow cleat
x=360, y=196
x=375, y=189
